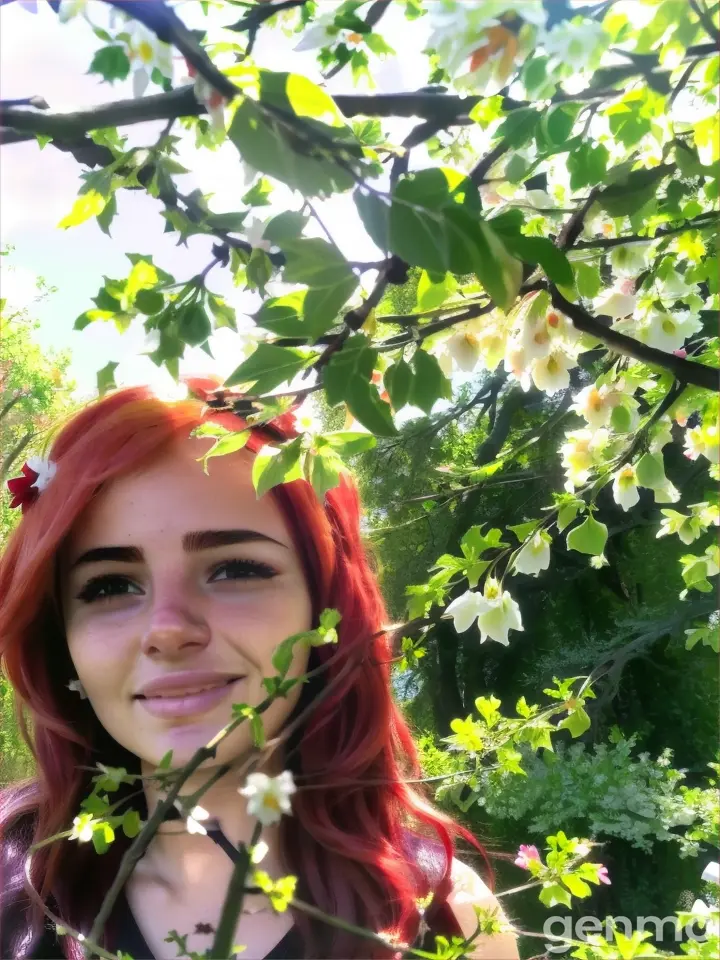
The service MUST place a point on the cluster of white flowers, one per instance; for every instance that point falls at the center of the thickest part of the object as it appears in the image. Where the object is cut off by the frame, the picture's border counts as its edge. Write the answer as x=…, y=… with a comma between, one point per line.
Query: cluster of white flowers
x=481, y=42
x=537, y=343
x=653, y=317
x=494, y=610
x=475, y=44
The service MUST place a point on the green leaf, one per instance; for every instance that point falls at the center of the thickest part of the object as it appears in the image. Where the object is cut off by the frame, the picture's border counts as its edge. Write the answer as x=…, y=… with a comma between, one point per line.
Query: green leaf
x=325, y=270
x=312, y=155
x=434, y=289
x=587, y=165
x=627, y=124
x=284, y=227
x=284, y=316
x=429, y=383
x=166, y=761
x=111, y=63
x=270, y=469
x=650, y=471
x=543, y=251
x=223, y=313
x=590, y=537
x=621, y=419
x=103, y=836
x=258, y=270
x=87, y=205
x=375, y=215
x=523, y=530
x=518, y=127
x=227, y=222
x=587, y=280
x=106, y=215
x=349, y=442
x=557, y=123
x=567, y=513
x=225, y=445
x=365, y=404
x=193, y=324
x=269, y=366
x=576, y=886
x=632, y=192
x=106, y=378
x=398, y=379
x=552, y=894
x=355, y=357
x=143, y=276
x=577, y=721
x=325, y=469
x=259, y=194
x=149, y=302
x=131, y=823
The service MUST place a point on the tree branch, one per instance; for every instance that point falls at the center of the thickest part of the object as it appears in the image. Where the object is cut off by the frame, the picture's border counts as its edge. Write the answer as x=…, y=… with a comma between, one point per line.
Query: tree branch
x=573, y=228
x=701, y=222
x=448, y=108
x=706, y=21
x=684, y=370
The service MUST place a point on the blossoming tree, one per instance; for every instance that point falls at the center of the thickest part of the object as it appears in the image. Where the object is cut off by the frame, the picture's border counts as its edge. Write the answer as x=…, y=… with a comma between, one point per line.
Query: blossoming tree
x=548, y=220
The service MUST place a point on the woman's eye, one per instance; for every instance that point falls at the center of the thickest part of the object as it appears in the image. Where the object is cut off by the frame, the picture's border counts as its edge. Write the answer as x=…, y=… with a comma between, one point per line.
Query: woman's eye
x=104, y=588
x=243, y=570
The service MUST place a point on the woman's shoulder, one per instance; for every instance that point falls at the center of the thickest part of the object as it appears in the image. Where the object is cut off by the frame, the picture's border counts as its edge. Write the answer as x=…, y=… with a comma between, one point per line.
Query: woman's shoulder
x=469, y=894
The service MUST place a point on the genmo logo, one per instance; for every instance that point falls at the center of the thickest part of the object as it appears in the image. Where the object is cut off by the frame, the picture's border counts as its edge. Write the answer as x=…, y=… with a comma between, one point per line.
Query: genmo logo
x=584, y=928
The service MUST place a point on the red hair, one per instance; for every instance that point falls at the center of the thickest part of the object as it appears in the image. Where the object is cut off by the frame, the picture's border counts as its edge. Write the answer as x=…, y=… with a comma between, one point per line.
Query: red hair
x=347, y=839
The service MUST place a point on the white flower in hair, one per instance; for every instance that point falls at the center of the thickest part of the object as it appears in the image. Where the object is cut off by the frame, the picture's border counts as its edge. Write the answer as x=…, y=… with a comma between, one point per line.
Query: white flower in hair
x=45, y=470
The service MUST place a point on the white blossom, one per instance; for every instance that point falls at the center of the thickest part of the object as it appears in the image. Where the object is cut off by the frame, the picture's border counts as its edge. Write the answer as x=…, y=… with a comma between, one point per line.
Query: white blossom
x=268, y=797
x=499, y=613
x=193, y=824
x=625, y=487
x=535, y=555
x=306, y=419
x=324, y=33
x=471, y=33
x=630, y=259
x=145, y=53
x=45, y=470
x=552, y=373
x=617, y=302
x=666, y=331
x=576, y=43
x=464, y=610
x=596, y=404
x=580, y=453
x=711, y=873
x=703, y=441
x=82, y=828
x=254, y=234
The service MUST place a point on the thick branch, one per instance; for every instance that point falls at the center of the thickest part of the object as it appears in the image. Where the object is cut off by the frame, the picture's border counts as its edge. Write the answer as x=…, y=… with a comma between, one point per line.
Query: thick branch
x=449, y=108
x=684, y=370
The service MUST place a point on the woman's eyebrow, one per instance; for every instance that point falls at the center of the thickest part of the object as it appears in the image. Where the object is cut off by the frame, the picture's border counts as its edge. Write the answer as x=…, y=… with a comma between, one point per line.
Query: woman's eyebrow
x=192, y=543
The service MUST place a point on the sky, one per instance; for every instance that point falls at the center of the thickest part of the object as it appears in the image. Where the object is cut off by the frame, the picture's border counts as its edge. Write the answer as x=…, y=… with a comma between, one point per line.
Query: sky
x=40, y=56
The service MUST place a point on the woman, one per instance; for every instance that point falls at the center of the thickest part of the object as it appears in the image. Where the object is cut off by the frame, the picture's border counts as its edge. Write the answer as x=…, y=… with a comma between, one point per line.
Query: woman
x=140, y=597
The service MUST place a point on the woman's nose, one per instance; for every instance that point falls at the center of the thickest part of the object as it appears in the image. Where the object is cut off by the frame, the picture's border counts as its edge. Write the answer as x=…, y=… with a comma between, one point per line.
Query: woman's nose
x=175, y=630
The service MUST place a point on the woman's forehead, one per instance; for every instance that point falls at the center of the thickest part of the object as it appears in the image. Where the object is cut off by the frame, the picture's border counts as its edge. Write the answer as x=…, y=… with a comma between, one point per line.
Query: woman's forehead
x=173, y=495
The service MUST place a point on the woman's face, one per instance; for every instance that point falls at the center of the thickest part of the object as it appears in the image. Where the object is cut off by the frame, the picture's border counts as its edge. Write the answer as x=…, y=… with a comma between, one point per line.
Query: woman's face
x=175, y=575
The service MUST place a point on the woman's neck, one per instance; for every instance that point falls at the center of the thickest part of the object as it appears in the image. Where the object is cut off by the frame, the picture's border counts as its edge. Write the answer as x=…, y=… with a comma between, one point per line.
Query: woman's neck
x=179, y=859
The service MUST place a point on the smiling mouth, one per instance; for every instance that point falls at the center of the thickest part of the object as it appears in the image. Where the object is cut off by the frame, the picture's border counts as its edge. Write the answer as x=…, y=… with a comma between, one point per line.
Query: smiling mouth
x=189, y=691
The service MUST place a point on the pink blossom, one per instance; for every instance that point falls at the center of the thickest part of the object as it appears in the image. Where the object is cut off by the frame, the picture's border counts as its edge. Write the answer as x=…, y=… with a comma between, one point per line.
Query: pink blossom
x=680, y=353
x=525, y=855
x=603, y=875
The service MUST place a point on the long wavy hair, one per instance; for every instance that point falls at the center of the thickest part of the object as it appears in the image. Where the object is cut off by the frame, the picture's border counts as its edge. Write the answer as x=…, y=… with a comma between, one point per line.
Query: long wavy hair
x=347, y=838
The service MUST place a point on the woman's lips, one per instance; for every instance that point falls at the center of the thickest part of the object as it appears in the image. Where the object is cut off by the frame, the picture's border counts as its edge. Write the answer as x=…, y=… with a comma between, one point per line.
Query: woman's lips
x=187, y=704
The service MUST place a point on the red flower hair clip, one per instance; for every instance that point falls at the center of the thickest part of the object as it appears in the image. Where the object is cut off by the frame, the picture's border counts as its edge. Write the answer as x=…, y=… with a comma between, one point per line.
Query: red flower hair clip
x=36, y=475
